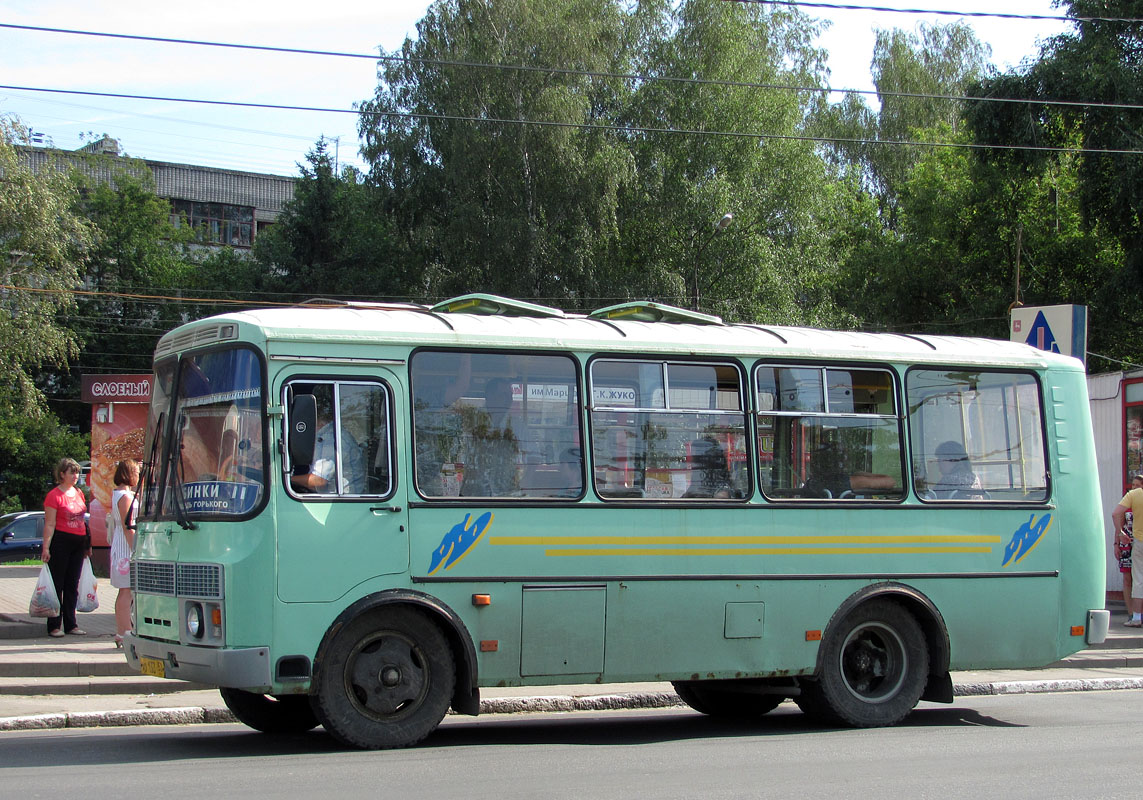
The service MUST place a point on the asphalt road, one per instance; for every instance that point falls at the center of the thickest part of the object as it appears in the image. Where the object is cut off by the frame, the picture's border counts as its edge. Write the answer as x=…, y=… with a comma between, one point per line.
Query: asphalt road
x=1083, y=744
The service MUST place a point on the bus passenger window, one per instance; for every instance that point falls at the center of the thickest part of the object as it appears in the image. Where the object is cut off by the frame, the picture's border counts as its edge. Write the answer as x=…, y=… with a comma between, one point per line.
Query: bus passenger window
x=494, y=425
x=668, y=431
x=828, y=434
x=976, y=436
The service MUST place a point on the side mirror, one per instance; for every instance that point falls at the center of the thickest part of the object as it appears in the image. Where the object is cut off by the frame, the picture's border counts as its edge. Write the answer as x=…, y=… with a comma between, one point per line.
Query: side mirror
x=5, y=536
x=302, y=435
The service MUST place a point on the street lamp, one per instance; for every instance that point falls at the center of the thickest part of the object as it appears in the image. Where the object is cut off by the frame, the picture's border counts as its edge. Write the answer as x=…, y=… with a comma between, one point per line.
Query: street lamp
x=719, y=226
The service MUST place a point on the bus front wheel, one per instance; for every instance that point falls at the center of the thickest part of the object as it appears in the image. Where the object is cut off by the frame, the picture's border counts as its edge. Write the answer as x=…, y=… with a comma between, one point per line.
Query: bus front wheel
x=722, y=703
x=273, y=714
x=874, y=666
x=386, y=680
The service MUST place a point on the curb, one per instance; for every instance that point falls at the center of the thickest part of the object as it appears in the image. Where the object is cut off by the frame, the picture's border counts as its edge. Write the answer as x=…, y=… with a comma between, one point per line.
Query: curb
x=516, y=705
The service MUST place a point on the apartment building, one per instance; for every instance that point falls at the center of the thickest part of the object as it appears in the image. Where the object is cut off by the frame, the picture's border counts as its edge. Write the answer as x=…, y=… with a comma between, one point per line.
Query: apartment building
x=228, y=207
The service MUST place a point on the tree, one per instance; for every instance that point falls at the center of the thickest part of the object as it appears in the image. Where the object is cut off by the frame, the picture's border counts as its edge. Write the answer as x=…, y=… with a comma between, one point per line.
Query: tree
x=30, y=447
x=138, y=254
x=1099, y=69
x=915, y=76
x=494, y=178
x=777, y=260
x=965, y=226
x=555, y=177
x=43, y=243
x=333, y=238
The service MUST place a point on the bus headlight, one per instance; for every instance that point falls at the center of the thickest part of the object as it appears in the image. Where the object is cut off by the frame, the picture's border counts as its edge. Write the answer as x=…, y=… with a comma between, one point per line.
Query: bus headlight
x=194, y=621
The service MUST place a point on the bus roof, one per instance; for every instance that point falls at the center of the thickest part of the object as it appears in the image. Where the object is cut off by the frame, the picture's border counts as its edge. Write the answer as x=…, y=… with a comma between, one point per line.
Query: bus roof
x=408, y=325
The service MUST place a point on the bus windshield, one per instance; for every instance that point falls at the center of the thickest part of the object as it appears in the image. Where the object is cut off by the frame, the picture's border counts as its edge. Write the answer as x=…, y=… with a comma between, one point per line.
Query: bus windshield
x=216, y=462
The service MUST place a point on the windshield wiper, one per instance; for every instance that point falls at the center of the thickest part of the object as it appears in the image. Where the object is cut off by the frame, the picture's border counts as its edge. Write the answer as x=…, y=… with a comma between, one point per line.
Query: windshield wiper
x=177, y=497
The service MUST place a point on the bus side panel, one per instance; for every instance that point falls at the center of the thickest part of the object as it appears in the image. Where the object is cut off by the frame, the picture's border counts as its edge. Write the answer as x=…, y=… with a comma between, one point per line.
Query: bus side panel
x=1075, y=485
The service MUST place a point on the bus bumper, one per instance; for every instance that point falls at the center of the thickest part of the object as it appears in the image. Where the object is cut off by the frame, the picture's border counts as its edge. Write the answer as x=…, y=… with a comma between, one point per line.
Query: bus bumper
x=242, y=668
x=1098, y=621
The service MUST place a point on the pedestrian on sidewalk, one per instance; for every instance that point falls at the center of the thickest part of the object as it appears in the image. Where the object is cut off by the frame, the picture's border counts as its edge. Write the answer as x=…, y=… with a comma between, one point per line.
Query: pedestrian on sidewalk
x=122, y=528
x=66, y=544
x=1129, y=550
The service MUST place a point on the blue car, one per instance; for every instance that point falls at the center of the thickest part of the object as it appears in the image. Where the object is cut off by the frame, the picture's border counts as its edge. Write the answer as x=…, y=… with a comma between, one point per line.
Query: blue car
x=21, y=535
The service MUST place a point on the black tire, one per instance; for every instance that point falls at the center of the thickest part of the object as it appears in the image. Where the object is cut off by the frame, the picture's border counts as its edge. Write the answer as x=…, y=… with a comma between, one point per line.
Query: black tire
x=725, y=703
x=874, y=667
x=386, y=680
x=273, y=714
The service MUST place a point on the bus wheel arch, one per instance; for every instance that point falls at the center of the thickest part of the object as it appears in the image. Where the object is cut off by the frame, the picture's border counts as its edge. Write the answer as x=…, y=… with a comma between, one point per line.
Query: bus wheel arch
x=884, y=649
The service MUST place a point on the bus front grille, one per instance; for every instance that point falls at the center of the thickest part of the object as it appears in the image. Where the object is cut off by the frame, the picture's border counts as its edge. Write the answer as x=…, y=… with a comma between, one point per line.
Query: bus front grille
x=182, y=580
x=200, y=580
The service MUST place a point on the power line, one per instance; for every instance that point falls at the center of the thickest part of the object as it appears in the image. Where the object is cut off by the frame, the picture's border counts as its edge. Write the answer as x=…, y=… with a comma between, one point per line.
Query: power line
x=590, y=126
x=936, y=12
x=581, y=73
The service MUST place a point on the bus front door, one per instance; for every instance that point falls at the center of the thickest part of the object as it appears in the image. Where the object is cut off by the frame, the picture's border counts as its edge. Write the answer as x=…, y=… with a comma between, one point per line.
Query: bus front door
x=343, y=517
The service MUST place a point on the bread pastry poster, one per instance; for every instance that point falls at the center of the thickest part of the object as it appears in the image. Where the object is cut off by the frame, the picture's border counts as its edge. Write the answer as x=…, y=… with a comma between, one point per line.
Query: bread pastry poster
x=119, y=405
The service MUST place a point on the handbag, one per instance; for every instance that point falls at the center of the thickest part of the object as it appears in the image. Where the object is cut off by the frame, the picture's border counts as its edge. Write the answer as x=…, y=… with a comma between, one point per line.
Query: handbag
x=45, y=602
x=88, y=589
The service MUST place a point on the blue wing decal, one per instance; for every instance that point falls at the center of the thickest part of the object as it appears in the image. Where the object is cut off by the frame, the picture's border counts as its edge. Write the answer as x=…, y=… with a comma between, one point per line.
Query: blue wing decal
x=1026, y=537
x=459, y=540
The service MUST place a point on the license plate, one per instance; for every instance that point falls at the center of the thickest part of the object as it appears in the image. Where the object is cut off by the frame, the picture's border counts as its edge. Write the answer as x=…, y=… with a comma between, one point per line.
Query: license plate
x=153, y=667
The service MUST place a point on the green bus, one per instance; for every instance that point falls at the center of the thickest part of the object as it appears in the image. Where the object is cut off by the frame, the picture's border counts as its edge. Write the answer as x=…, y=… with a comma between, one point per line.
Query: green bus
x=357, y=515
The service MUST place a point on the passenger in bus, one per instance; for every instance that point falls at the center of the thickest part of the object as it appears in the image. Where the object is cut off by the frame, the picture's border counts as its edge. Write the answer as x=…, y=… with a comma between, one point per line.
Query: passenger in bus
x=710, y=476
x=570, y=473
x=956, y=475
x=826, y=477
x=493, y=452
x=829, y=478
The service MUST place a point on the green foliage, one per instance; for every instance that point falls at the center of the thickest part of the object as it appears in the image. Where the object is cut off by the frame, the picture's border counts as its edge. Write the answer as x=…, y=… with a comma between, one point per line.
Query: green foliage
x=333, y=238
x=42, y=246
x=774, y=261
x=482, y=205
x=30, y=448
x=139, y=254
x=914, y=75
x=579, y=188
x=1101, y=239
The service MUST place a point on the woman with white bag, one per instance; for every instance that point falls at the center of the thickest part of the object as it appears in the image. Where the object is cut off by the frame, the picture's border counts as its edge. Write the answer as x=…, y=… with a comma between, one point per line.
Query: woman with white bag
x=123, y=542
x=66, y=544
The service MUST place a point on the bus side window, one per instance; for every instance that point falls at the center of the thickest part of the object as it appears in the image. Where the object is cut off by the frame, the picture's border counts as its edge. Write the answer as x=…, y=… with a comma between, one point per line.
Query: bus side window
x=828, y=433
x=493, y=425
x=976, y=435
x=668, y=430
x=350, y=452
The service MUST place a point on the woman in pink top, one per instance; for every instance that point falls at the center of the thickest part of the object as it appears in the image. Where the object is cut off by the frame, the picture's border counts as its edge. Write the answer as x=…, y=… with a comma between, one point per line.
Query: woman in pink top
x=66, y=543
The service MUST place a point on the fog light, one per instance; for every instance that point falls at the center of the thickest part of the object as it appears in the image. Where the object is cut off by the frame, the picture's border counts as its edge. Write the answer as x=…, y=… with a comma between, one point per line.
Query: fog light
x=194, y=621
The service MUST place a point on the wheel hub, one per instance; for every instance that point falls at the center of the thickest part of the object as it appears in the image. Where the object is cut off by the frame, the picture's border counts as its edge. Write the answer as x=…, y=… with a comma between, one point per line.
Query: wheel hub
x=390, y=676
x=873, y=662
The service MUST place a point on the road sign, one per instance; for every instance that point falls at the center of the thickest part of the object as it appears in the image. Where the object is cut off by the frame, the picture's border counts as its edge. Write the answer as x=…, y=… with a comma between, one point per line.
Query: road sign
x=1057, y=329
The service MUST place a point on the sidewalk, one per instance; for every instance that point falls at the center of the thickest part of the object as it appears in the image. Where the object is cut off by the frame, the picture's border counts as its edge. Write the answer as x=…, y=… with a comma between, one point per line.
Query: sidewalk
x=83, y=681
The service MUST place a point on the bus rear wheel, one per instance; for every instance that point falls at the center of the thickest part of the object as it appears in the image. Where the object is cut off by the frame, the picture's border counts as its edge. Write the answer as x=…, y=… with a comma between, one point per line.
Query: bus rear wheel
x=273, y=714
x=385, y=681
x=874, y=666
x=723, y=703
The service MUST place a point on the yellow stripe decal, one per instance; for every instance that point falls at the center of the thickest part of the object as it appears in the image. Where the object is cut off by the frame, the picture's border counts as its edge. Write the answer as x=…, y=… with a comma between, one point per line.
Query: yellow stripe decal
x=758, y=551
x=569, y=541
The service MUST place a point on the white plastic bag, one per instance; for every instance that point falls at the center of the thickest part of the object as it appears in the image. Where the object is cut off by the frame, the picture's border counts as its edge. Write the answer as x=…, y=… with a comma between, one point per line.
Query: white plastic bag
x=45, y=602
x=88, y=589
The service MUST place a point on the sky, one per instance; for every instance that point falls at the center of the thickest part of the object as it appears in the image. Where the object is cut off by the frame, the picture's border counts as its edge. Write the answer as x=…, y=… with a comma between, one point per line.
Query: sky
x=276, y=141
